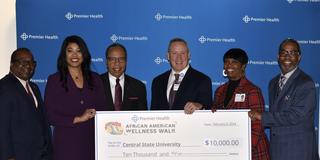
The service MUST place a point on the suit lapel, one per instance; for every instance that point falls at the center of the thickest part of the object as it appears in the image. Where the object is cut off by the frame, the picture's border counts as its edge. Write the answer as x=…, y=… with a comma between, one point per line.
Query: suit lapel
x=36, y=94
x=23, y=91
x=108, y=92
x=274, y=93
x=163, y=90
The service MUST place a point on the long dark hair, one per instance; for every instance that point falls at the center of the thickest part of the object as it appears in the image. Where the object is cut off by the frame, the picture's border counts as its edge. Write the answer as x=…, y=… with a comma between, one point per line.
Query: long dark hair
x=85, y=66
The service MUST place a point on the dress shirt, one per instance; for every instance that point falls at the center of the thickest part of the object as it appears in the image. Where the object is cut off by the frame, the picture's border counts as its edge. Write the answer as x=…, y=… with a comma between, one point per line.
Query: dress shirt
x=172, y=78
x=287, y=75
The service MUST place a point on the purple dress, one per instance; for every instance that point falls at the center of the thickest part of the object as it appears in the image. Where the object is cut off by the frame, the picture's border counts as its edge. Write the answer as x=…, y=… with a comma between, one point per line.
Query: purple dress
x=72, y=141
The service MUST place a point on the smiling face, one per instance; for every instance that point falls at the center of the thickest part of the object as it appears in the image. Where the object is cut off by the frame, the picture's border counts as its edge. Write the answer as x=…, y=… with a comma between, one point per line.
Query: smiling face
x=74, y=55
x=116, y=61
x=178, y=56
x=23, y=65
x=233, y=68
x=288, y=57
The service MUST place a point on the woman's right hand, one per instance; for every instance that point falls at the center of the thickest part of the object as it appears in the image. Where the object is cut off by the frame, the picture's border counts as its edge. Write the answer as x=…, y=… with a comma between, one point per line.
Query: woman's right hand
x=87, y=114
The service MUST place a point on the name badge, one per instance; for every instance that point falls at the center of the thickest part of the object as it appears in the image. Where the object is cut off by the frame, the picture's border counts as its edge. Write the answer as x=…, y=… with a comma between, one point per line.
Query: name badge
x=240, y=97
x=176, y=87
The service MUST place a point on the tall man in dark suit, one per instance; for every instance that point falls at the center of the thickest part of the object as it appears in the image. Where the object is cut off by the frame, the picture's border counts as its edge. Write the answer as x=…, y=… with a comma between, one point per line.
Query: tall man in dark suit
x=123, y=91
x=24, y=131
x=181, y=87
x=292, y=101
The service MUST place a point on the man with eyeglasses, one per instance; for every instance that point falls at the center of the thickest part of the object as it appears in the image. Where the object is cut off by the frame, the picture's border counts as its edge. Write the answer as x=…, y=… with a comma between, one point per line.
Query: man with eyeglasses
x=123, y=92
x=24, y=131
x=292, y=104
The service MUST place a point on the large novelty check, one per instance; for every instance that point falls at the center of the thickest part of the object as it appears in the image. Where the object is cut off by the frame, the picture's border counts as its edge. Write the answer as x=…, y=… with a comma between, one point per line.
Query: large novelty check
x=173, y=135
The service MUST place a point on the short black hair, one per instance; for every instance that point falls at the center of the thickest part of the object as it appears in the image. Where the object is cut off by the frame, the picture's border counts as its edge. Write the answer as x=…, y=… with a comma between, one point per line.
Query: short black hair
x=289, y=40
x=237, y=54
x=116, y=45
x=15, y=52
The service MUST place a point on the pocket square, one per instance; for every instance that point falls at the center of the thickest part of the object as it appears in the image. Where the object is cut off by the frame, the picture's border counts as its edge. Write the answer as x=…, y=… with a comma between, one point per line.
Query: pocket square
x=133, y=98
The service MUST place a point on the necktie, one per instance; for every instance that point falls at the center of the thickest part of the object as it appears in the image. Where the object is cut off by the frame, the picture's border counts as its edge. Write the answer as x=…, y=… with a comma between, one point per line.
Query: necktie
x=29, y=92
x=281, y=82
x=173, y=92
x=117, y=96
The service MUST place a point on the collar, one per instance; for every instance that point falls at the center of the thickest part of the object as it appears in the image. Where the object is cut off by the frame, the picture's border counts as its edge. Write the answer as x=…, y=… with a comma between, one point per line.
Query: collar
x=288, y=75
x=112, y=78
x=181, y=73
x=23, y=82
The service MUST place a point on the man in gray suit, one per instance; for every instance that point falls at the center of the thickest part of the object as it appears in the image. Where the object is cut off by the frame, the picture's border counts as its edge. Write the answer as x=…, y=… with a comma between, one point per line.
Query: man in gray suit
x=292, y=101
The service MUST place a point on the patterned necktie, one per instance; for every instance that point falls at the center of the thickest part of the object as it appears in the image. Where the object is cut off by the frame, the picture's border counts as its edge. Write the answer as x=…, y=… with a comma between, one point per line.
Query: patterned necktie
x=173, y=92
x=281, y=82
x=117, y=96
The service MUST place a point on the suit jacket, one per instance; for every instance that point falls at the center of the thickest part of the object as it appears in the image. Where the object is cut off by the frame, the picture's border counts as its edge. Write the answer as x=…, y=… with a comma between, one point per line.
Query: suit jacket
x=24, y=131
x=134, y=97
x=195, y=87
x=291, y=118
x=254, y=101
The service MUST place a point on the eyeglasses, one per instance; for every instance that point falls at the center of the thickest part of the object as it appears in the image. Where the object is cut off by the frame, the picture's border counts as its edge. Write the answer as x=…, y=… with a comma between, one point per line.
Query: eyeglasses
x=116, y=59
x=292, y=53
x=22, y=62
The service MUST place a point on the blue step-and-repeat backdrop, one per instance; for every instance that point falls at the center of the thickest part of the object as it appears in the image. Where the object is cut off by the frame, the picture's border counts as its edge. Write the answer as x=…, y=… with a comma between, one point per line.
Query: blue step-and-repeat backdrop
x=145, y=27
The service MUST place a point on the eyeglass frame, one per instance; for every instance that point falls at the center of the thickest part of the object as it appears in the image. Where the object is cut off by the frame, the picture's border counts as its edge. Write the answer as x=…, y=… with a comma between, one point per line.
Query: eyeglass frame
x=292, y=53
x=23, y=62
x=117, y=59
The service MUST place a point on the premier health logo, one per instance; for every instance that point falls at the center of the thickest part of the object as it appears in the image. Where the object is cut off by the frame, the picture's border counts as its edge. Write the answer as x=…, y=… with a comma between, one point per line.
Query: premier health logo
x=158, y=17
x=114, y=38
x=203, y=39
x=246, y=19
x=70, y=16
x=24, y=36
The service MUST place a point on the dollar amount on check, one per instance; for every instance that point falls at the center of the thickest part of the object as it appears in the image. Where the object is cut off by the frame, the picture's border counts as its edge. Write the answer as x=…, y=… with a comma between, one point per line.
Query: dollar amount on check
x=173, y=135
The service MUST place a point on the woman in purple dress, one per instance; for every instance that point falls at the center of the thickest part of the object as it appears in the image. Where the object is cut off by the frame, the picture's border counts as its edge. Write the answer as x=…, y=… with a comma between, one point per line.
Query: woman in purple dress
x=72, y=96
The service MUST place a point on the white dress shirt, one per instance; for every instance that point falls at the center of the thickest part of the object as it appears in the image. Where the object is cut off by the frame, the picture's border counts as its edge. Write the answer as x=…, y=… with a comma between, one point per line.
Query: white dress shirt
x=171, y=79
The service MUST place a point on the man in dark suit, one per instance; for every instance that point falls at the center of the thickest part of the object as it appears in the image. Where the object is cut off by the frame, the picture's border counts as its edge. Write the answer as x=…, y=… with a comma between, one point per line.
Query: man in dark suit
x=123, y=91
x=24, y=131
x=181, y=87
x=292, y=102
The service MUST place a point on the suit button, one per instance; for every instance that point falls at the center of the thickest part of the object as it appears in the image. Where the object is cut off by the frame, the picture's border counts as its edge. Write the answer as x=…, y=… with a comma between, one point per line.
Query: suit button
x=273, y=134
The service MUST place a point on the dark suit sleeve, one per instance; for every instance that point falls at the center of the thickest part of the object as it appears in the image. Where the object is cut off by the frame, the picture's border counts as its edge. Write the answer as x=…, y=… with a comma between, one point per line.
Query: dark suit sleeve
x=154, y=96
x=143, y=102
x=205, y=93
x=300, y=106
x=6, y=144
